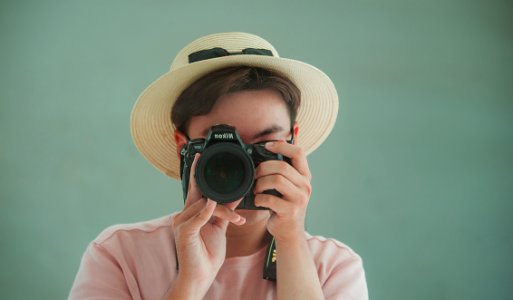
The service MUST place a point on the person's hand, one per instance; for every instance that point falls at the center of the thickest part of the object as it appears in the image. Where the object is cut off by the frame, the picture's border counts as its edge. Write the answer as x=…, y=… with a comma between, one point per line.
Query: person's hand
x=296, y=272
x=293, y=182
x=200, y=235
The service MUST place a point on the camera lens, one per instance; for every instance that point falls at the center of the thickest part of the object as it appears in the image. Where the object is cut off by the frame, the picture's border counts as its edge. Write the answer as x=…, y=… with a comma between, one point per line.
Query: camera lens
x=225, y=172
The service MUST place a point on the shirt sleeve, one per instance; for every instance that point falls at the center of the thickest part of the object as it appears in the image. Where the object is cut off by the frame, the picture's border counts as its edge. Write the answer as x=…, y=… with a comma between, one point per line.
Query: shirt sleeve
x=99, y=276
x=346, y=280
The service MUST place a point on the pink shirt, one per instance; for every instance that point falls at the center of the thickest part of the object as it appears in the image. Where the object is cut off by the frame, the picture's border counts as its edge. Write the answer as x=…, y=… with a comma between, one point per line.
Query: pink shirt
x=138, y=261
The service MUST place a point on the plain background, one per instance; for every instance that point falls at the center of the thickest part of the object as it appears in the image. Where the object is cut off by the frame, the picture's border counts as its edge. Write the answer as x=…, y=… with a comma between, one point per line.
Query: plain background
x=417, y=175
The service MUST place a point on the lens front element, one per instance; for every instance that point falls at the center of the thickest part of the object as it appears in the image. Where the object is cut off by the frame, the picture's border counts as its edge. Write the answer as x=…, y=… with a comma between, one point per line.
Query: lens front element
x=225, y=172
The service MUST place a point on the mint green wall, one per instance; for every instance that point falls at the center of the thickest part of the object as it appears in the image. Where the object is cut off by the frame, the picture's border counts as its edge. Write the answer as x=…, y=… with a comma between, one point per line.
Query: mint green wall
x=417, y=176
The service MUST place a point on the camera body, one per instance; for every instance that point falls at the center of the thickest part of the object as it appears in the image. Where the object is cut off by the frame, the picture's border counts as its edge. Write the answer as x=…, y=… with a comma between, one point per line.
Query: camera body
x=225, y=172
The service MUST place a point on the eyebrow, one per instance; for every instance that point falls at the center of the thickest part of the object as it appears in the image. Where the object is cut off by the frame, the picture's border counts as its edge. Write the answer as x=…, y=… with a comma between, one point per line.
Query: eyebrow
x=270, y=130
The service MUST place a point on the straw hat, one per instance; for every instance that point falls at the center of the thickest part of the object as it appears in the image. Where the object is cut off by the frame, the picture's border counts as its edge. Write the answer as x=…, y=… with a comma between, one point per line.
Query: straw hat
x=151, y=127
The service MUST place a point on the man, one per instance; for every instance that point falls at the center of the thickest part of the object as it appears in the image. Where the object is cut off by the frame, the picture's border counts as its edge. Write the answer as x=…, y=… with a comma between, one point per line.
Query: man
x=214, y=250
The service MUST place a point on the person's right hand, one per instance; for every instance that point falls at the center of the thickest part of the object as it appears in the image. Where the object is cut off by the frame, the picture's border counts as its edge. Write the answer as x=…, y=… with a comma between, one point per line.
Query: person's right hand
x=200, y=237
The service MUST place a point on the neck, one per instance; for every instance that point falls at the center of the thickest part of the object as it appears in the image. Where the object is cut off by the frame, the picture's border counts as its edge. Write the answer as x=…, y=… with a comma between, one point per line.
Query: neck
x=246, y=239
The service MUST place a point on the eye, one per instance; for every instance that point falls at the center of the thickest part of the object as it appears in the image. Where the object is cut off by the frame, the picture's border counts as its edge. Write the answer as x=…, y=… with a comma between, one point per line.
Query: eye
x=266, y=138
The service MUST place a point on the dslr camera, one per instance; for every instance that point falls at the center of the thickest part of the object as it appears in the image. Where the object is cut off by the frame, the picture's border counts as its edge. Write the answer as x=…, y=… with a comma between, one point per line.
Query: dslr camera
x=225, y=171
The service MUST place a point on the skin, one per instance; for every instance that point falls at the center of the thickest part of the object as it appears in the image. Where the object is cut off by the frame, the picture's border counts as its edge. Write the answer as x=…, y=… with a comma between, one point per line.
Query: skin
x=206, y=233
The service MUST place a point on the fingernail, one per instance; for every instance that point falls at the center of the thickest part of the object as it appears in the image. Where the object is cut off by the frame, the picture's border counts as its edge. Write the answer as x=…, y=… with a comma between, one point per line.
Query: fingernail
x=269, y=144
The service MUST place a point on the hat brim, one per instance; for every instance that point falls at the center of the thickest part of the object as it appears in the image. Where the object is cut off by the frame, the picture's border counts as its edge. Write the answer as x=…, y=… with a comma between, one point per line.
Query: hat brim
x=153, y=132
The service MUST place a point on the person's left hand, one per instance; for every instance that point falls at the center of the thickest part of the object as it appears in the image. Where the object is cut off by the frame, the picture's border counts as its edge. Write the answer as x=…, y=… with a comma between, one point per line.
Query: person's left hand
x=287, y=220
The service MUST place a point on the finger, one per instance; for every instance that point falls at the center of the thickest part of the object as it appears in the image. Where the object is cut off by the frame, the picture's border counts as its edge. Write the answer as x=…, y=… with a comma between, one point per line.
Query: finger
x=193, y=192
x=295, y=153
x=190, y=211
x=221, y=211
x=274, y=203
x=280, y=183
x=276, y=167
x=233, y=205
x=225, y=213
x=203, y=216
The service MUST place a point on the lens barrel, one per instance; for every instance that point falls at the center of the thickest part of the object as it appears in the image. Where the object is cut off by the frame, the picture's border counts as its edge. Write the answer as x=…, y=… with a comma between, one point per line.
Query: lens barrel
x=225, y=172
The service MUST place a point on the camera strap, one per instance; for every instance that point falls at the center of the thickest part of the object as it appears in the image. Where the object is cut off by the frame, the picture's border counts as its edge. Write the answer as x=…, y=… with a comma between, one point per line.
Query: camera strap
x=270, y=262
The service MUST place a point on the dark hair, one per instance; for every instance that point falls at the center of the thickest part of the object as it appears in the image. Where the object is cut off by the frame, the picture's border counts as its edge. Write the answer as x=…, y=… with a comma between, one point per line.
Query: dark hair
x=199, y=98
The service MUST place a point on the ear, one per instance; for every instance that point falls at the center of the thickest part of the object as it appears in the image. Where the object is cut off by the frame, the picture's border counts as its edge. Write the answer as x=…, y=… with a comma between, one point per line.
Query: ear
x=296, y=131
x=180, y=141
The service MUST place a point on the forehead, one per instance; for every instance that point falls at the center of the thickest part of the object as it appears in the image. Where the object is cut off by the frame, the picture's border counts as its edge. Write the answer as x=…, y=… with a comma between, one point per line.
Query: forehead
x=250, y=112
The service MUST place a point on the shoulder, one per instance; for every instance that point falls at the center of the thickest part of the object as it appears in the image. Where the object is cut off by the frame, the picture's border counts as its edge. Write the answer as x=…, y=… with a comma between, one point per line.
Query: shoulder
x=340, y=268
x=123, y=259
x=333, y=257
x=124, y=233
x=324, y=245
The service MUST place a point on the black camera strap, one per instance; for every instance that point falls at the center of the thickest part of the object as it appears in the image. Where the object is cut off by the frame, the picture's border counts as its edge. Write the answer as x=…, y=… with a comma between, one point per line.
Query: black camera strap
x=270, y=262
